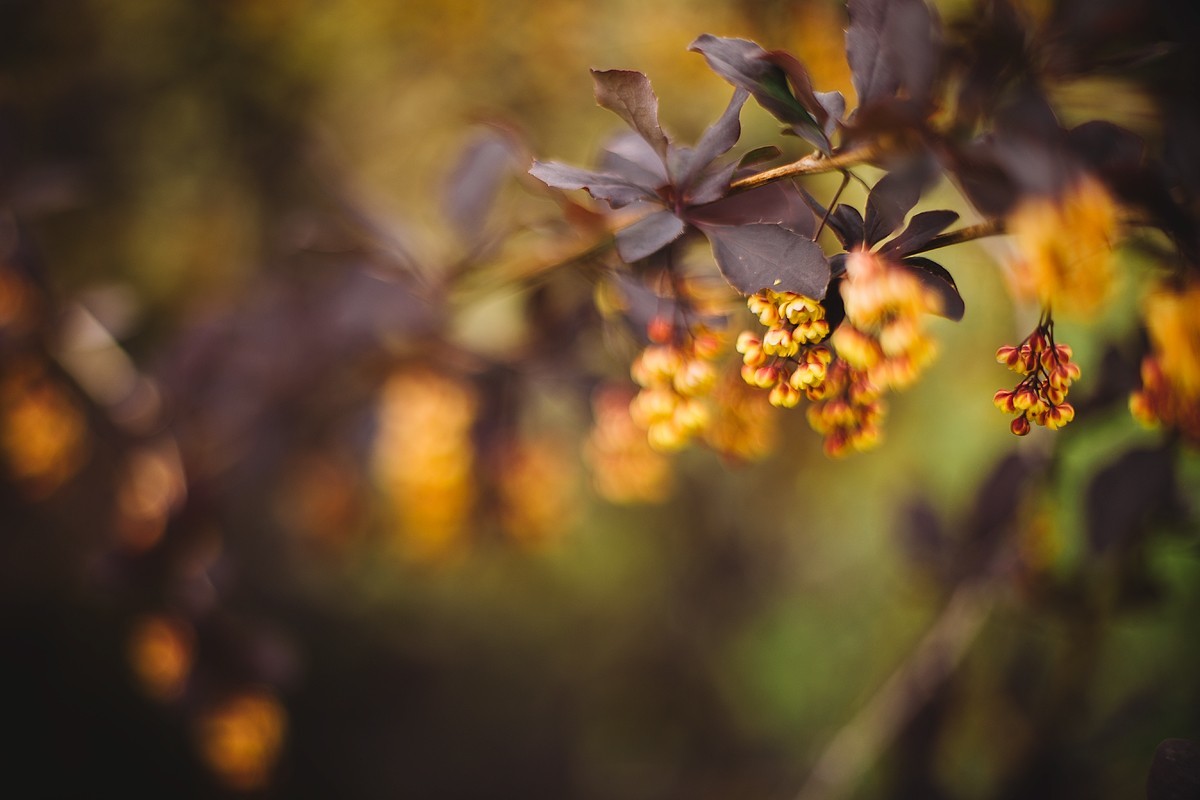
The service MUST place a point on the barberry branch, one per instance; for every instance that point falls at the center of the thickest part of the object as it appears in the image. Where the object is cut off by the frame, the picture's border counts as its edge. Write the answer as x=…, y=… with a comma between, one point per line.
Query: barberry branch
x=809, y=165
x=981, y=230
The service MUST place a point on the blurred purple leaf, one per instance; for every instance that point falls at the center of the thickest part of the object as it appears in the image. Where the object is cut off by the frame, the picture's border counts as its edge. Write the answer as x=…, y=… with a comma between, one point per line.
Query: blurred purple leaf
x=891, y=44
x=617, y=190
x=1175, y=771
x=474, y=181
x=1124, y=494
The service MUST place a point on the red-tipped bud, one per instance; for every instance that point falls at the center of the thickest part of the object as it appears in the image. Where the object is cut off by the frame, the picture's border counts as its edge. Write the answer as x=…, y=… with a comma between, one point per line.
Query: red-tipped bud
x=660, y=330
x=1025, y=398
x=1020, y=426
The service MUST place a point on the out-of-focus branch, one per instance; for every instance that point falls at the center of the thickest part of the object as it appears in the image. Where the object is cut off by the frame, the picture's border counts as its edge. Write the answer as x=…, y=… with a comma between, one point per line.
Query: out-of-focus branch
x=859, y=744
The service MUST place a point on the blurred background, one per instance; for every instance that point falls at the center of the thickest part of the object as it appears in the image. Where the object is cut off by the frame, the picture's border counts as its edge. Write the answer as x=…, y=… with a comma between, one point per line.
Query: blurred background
x=302, y=494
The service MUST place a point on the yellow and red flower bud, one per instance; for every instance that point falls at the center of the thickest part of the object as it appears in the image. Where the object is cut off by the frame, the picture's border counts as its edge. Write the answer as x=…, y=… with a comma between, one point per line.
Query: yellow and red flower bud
x=784, y=396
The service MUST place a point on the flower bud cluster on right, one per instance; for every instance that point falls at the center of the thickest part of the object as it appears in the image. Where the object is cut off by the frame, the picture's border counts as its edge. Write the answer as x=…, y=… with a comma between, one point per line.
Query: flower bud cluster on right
x=1040, y=397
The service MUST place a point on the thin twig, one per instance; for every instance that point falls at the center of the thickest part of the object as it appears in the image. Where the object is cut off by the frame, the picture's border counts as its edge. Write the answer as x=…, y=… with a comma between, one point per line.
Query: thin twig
x=837, y=195
x=859, y=744
x=809, y=165
x=991, y=227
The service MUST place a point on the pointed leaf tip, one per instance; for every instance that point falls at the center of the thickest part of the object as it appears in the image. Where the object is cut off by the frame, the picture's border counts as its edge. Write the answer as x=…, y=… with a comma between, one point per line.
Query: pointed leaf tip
x=628, y=94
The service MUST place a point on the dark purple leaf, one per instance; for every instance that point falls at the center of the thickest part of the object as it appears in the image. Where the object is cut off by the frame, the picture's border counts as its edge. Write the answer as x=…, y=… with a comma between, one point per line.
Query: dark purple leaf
x=801, y=83
x=982, y=179
x=629, y=156
x=835, y=109
x=628, y=94
x=776, y=203
x=819, y=128
x=1175, y=771
x=648, y=235
x=997, y=502
x=935, y=276
x=922, y=228
x=612, y=188
x=891, y=44
x=473, y=183
x=712, y=186
x=746, y=65
x=1124, y=494
x=759, y=155
x=847, y=224
x=1107, y=147
x=720, y=137
x=756, y=257
x=892, y=197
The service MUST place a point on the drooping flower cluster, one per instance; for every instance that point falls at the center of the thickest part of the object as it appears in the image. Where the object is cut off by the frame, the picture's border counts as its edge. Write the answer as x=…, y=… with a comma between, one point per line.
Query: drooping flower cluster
x=848, y=411
x=743, y=428
x=789, y=360
x=676, y=373
x=883, y=335
x=1170, y=391
x=1040, y=397
x=793, y=360
x=625, y=468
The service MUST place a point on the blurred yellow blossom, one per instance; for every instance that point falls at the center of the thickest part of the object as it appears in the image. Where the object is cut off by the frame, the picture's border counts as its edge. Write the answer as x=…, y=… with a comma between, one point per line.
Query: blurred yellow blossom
x=161, y=652
x=1170, y=391
x=240, y=738
x=43, y=434
x=536, y=483
x=1065, y=247
x=424, y=460
x=625, y=468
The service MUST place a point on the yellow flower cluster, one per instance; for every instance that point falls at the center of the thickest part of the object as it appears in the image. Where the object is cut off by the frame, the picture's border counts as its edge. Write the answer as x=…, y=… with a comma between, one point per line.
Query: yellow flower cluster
x=848, y=411
x=625, y=469
x=788, y=360
x=241, y=738
x=882, y=335
x=676, y=377
x=743, y=428
x=1049, y=372
x=535, y=485
x=424, y=460
x=793, y=361
x=879, y=345
x=1170, y=392
x=1065, y=245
